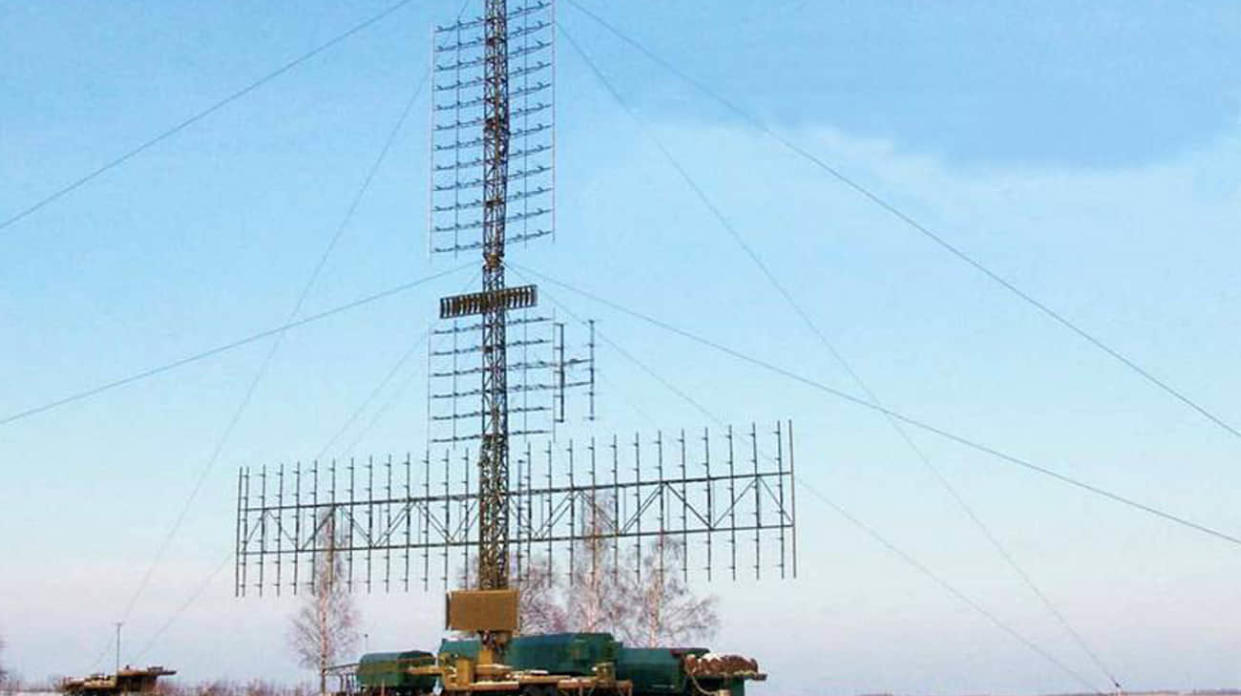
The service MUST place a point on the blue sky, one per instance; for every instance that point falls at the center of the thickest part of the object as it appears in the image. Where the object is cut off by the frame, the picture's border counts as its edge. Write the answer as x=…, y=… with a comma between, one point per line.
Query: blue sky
x=1091, y=155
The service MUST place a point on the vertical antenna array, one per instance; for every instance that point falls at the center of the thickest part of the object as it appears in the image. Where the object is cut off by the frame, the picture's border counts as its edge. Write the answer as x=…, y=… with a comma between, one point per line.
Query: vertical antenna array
x=478, y=53
x=459, y=106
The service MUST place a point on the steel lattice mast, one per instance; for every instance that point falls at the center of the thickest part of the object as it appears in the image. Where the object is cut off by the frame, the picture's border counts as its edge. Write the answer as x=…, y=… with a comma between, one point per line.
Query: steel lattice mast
x=493, y=472
x=492, y=609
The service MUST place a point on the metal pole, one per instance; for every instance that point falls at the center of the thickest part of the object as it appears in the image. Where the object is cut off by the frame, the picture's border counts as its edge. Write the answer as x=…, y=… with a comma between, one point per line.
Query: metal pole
x=793, y=495
x=239, y=555
x=118, y=648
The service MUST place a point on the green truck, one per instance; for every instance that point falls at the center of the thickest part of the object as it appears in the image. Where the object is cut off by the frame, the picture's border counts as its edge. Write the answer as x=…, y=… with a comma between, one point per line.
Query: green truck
x=563, y=663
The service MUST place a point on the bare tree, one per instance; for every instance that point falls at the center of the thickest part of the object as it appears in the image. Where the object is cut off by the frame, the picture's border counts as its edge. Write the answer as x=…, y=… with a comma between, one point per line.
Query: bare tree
x=7, y=680
x=665, y=611
x=541, y=609
x=258, y=687
x=597, y=599
x=325, y=628
x=640, y=598
x=219, y=687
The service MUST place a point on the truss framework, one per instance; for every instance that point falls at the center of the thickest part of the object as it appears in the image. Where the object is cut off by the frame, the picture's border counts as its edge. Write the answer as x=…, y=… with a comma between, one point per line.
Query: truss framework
x=728, y=497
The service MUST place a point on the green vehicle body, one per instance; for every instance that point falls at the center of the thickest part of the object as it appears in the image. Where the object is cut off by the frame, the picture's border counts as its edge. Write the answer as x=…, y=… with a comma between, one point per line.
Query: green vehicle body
x=653, y=671
x=387, y=673
x=573, y=654
x=661, y=672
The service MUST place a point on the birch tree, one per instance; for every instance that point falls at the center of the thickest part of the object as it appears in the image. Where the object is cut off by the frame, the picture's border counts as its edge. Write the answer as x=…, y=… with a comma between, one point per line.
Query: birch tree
x=324, y=630
x=640, y=598
x=597, y=594
x=540, y=591
x=665, y=610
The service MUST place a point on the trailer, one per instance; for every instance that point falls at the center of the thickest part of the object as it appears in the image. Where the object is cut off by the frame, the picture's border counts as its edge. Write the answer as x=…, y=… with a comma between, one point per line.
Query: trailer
x=129, y=680
x=569, y=664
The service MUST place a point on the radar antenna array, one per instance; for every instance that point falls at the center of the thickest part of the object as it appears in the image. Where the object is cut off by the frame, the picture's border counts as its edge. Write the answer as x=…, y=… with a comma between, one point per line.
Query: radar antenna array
x=725, y=499
x=498, y=375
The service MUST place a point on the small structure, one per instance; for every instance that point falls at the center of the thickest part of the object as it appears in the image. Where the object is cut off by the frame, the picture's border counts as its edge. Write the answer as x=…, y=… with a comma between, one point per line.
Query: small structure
x=130, y=680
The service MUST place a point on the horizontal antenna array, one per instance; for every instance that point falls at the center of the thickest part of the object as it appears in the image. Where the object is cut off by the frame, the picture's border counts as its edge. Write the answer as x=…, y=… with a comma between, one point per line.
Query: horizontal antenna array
x=726, y=499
